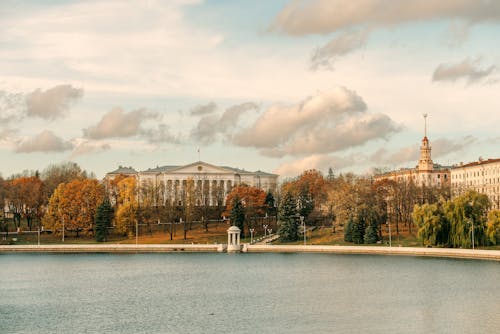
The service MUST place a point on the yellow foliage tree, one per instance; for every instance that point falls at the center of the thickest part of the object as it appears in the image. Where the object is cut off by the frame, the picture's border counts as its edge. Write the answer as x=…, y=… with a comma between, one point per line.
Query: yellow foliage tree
x=74, y=205
x=126, y=213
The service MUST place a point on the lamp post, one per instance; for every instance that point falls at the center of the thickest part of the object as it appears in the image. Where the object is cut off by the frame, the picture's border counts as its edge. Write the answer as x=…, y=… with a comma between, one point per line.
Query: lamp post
x=38, y=235
x=472, y=222
x=63, y=230
x=302, y=221
x=251, y=235
x=136, y=232
x=265, y=229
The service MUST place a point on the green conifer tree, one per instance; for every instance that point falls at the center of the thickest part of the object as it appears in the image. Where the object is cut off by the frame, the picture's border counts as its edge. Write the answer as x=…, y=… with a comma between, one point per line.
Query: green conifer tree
x=103, y=218
x=288, y=225
x=238, y=215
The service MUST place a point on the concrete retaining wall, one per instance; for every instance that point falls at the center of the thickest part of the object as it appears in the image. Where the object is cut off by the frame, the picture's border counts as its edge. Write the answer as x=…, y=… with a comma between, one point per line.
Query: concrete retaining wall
x=165, y=248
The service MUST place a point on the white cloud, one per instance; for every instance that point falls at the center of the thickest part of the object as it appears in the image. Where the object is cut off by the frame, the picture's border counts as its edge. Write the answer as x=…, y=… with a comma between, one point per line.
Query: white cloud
x=324, y=123
x=209, y=127
x=203, y=109
x=46, y=141
x=10, y=107
x=82, y=147
x=319, y=162
x=441, y=147
x=324, y=16
x=52, y=103
x=341, y=45
x=119, y=123
x=468, y=69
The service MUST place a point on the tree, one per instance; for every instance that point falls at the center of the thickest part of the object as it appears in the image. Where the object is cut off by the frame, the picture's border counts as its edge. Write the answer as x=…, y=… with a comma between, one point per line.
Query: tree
x=27, y=198
x=126, y=212
x=309, y=189
x=371, y=234
x=104, y=216
x=65, y=172
x=288, y=225
x=238, y=215
x=270, y=203
x=348, y=229
x=493, y=228
x=252, y=199
x=74, y=205
x=433, y=227
x=464, y=213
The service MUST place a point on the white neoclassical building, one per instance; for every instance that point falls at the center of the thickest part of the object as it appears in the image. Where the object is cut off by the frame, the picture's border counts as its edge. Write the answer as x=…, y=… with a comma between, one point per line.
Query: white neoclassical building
x=426, y=173
x=211, y=182
x=482, y=176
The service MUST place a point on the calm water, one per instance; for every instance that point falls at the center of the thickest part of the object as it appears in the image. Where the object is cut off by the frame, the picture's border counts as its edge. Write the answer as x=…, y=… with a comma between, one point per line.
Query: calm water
x=247, y=293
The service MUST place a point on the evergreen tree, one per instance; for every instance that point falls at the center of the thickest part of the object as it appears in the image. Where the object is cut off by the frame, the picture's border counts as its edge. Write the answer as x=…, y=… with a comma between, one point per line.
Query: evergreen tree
x=103, y=217
x=269, y=202
x=238, y=215
x=371, y=234
x=358, y=230
x=288, y=207
x=348, y=229
x=288, y=225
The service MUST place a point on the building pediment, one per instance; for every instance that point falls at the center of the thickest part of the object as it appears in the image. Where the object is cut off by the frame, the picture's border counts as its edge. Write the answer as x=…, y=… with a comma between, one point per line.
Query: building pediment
x=200, y=167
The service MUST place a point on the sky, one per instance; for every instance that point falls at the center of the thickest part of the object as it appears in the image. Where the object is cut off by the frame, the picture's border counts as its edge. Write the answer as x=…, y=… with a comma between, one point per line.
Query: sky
x=280, y=86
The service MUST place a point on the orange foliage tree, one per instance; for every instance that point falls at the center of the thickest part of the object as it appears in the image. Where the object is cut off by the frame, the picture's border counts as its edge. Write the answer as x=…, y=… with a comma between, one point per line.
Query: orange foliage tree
x=26, y=198
x=310, y=190
x=74, y=205
x=253, y=200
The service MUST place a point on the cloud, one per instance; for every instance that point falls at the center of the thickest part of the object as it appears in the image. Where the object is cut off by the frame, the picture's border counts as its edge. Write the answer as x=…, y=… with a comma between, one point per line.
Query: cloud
x=468, y=69
x=443, y=146
x=209, y=127
x=52, y=103
x=118, y=123
x=328, y=122
x=410, y=154
x=46, y=141
x=341, y=45
x=325, y=16
x=203, y=109
x=160, y=135
x=11, y=107
x=316, y=161
x=83, y=147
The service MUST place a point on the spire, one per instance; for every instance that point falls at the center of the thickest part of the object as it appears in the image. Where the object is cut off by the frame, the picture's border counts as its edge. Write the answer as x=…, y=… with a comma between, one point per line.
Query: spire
x=425, y=125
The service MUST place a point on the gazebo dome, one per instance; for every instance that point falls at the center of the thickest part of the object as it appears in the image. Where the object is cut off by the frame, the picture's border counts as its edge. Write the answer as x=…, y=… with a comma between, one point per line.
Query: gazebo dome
x=234, y=229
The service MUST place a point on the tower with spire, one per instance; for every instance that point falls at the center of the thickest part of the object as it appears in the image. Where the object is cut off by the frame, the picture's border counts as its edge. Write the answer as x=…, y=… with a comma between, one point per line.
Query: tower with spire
x=425, y=163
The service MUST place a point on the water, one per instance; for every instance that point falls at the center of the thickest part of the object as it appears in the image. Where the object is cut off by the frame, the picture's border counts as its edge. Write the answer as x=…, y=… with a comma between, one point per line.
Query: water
x=246, y=293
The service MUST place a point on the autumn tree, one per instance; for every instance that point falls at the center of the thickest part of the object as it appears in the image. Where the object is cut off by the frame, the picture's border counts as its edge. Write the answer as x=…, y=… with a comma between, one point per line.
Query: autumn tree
x=27, y=198
x=126, y=205
x=252, y=199
x=74, y=205
x=64, y=172
x=309, y=189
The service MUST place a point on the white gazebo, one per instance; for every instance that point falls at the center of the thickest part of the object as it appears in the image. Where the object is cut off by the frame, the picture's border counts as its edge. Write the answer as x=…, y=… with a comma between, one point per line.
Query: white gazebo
x=233, y=239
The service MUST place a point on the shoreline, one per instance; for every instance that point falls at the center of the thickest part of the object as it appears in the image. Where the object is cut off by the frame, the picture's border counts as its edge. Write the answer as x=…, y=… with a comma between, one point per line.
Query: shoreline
x=246, y=248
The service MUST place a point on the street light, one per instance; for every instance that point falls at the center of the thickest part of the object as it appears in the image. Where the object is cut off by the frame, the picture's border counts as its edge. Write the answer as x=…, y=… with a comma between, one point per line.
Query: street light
x=265, y=229
x=302, y=221
x=472, y=222
x=251, y=235
x=136, y=232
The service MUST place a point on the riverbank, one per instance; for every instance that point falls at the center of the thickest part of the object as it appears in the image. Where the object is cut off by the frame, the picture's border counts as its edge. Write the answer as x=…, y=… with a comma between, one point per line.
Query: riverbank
x=166, y=248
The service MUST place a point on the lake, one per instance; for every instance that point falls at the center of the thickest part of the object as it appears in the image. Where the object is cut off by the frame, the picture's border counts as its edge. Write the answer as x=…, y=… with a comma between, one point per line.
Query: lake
x=246, y=293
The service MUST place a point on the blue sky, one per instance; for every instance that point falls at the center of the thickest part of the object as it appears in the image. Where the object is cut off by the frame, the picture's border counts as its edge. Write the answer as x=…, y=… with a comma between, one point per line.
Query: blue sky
x=280, y=86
